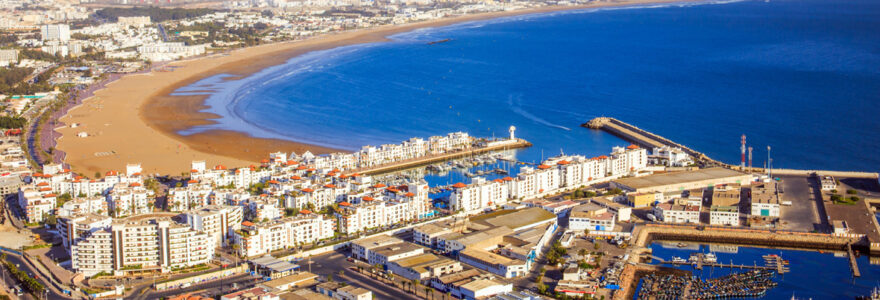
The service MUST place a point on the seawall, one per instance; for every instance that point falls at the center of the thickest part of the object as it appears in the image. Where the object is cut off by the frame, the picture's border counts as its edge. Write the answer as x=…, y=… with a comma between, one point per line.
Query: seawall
x=519, y=143
x=649, y=140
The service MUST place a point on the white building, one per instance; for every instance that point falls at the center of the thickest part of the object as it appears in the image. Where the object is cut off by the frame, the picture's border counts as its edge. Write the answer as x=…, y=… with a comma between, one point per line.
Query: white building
x=724, y=215
x=219, y=221
x=592, y=217
x=57, y=32
x=140, y=243
x=676, y=213
x=257, y=239
x=765, y=200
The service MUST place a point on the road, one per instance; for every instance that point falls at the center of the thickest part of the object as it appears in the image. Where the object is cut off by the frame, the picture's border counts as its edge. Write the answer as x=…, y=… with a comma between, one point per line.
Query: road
x=52, y=292
x=334, y=262
x=217, y=287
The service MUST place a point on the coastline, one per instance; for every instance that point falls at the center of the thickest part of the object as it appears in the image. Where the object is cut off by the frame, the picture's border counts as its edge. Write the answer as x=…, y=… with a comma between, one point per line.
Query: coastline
x=135, y=120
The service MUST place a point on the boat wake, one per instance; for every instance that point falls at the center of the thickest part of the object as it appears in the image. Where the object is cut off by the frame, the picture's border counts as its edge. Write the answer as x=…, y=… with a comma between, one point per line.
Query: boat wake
x=517, y=108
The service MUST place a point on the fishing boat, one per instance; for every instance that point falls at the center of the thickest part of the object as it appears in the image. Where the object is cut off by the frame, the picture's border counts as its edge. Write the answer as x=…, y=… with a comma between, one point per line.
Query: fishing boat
x=677, y=259
x=438, y=41
x=710, y=257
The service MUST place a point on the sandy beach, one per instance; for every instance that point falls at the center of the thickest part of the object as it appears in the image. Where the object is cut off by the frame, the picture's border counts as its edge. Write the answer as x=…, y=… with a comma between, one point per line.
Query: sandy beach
x=134, y=120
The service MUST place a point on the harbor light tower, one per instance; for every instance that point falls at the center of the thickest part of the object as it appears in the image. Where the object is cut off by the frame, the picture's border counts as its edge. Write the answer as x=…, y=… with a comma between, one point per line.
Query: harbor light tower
x=511, y=130
x=750, y=159
x=742, y=149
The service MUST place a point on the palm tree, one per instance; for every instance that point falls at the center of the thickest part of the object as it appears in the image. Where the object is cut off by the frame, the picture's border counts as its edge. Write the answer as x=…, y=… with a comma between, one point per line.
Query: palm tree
x=415, y=284
x=428, y=289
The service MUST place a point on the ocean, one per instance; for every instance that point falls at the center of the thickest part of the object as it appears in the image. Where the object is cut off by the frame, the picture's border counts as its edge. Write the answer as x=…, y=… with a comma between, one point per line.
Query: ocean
x=802, y=76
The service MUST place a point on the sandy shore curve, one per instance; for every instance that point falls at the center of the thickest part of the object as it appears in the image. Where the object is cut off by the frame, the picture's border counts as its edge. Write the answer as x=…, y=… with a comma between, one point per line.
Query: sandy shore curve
x=135, y=120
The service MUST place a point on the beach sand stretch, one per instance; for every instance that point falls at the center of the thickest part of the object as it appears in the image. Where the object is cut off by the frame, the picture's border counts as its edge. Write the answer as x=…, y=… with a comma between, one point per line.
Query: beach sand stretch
x=134, y=120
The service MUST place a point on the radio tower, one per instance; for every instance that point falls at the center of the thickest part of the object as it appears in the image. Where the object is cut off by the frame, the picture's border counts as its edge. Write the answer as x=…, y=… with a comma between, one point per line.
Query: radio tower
x=742, y=149
x=750, y=159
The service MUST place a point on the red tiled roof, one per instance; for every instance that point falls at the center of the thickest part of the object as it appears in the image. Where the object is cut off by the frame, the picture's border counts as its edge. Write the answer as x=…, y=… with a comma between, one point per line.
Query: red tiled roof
x=379, y=185
x=305, y=211
x=302, y=168
x=409, y=194
x=112, y=173
x=134, y=184
x=273, y=181
x=247, y=223
x=393, y=190
x=344, y=203
x=219, y=167
x=543, y=167
x=294, y=177
x=307, y=190
x=193, y=171
x=498, y=180
x=632, y=146
x=367, y=198
x=459, y=185
x=508, y=178
x=43, y=184
x=330, y=186
x=264, y=161
x=563, y=162
x=192, y=181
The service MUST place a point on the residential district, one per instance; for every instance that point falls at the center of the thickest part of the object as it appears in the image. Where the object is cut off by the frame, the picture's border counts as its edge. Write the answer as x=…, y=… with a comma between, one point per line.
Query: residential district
x=358, y=225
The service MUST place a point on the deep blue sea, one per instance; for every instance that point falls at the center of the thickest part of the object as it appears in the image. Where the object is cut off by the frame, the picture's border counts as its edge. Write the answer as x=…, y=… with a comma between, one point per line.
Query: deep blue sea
x=813, y=275
x=800, y=75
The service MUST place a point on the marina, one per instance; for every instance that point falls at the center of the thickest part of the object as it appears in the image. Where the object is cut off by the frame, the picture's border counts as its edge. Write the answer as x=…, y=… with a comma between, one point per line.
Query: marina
x=699, y=261
x=753, y=283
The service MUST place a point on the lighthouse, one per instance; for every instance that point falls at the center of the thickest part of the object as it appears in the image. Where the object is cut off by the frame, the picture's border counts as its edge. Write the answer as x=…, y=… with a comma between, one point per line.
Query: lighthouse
x=512, y=129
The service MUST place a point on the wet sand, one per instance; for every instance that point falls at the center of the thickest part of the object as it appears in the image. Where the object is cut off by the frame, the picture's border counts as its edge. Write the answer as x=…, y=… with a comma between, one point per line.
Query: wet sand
x=134, y=120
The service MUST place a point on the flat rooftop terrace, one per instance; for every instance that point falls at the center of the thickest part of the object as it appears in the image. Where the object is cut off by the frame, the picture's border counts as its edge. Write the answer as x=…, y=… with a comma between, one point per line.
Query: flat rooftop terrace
x=678, y=177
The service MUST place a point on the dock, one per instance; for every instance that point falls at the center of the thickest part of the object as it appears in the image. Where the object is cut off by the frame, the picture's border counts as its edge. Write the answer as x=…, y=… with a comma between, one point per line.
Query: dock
x=853, y=264
x=771, y=263
x=429, y=159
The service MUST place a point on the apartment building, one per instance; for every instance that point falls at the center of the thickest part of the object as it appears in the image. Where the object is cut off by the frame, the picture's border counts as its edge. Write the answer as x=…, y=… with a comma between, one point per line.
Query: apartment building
x=71, y=228
x=256, y=239
x=141, y=243
x=129, y=200
x=218, y=221
x=478, y=195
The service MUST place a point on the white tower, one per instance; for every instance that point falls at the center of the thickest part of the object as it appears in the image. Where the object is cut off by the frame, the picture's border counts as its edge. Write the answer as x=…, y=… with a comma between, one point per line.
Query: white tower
x=512, y=129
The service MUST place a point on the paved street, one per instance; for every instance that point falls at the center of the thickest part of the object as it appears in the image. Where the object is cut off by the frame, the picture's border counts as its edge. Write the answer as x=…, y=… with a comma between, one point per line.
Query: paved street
x=334, y=262
x=214, y=287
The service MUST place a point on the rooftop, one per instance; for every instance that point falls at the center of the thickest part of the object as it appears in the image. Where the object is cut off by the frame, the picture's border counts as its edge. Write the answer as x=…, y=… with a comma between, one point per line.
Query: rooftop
x=520, y=218
x=677, y=177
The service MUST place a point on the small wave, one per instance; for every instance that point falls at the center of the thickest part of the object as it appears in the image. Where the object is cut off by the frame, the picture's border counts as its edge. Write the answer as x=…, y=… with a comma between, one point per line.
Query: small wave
x=518, y=109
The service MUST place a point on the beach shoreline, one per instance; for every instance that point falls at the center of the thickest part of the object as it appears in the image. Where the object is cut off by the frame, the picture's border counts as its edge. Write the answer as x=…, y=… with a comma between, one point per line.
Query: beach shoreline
x=135, y=119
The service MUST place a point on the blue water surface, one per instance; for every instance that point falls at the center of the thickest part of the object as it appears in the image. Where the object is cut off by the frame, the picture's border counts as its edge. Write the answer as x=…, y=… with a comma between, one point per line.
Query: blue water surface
x=800, y=75
x=813, y=275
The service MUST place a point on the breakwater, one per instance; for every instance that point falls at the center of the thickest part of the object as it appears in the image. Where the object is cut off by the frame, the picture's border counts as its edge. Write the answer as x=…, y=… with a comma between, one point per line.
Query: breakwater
x=643, y=137
x=743, y=236
x=649, y=140
x=429, y=159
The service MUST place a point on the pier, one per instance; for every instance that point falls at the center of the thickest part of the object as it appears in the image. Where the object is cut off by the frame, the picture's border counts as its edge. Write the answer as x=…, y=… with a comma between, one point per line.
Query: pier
x=642, y=137
x=429, y=159
x=771, y=263
x=853, y=264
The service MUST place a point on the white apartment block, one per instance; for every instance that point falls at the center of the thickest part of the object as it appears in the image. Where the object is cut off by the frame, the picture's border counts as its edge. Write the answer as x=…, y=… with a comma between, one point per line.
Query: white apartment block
x=258, y=239
x=129, y=200
x=479, y=195
x=37, y=202
x=169, y=51
x=88, y=205
x=75, y=227
x=218, y=221
x=57, y=32
x=141, y=243
x=193, y=195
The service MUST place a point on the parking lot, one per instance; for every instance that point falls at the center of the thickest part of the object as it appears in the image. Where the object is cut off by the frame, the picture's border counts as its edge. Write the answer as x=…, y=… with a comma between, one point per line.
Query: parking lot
x=803, y=213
